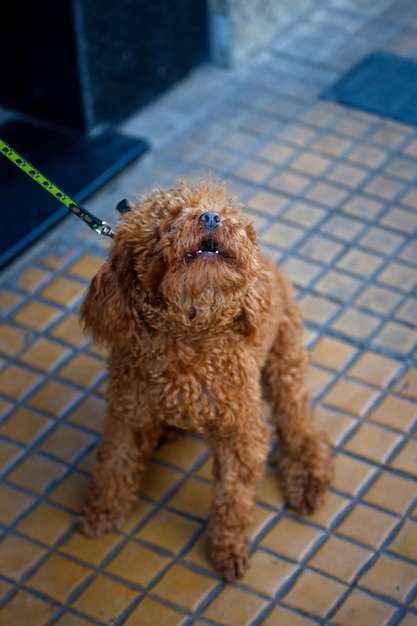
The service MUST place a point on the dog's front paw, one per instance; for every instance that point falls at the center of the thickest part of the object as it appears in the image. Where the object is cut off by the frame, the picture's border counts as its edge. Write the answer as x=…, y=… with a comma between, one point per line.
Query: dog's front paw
x=231, y=564
x=98, y=523
x=306, y=485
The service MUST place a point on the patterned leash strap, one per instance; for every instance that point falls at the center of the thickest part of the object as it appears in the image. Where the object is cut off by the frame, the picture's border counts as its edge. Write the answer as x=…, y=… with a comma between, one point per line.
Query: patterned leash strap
x=99, y=226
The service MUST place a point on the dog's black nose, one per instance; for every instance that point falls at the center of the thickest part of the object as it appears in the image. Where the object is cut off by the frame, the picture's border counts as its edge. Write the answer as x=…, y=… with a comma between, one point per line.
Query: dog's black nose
x=210, y=220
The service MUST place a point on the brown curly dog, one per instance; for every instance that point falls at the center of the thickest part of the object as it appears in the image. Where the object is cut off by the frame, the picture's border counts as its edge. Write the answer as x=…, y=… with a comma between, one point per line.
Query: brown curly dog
x=200, y=327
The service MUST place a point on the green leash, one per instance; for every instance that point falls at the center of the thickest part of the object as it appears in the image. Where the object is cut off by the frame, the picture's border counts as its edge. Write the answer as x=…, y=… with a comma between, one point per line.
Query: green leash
x=99, y=226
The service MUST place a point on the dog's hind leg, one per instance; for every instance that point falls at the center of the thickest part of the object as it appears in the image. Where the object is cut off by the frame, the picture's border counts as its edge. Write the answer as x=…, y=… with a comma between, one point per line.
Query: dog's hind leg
x=117, y=475
x=304, y=452
x=238, y=460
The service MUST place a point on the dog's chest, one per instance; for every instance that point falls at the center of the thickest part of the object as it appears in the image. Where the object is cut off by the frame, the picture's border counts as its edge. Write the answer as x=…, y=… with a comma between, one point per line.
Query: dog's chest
x=185, y=382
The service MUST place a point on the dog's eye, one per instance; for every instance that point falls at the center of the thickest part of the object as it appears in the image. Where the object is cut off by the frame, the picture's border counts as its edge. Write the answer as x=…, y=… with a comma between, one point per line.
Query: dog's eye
x=170, y=228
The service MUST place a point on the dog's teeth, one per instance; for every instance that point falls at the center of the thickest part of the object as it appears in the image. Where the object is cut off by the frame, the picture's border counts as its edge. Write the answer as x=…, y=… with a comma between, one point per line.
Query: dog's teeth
x=188, y=254
x=217, y=252
x=199, y=252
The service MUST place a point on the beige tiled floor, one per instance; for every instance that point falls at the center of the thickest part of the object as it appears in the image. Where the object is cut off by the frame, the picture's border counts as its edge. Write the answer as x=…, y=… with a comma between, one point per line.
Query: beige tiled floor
x=332, y=194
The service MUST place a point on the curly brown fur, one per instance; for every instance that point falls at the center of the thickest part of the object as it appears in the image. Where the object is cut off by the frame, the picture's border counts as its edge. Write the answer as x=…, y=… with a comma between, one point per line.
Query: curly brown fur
x=196, y=340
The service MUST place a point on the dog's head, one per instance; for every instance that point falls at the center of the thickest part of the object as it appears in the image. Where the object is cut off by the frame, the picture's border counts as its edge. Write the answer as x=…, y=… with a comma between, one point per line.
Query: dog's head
x=182, y=256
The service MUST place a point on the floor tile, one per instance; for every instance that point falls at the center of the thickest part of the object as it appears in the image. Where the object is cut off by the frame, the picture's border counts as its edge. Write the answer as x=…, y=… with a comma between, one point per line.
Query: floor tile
x=36, y=315
x=104, y=599
x=351, y=475
x=54, y=398
x=318, y=380
x=267, y=202
x=335, y=424
x=58, y=577
x=44, y=354
x=331, y=144
x=8, y=300
x=13, y=503
x=395, y=412
x=391, y=492
x=405, y=542
x=184, y=587
x=390, y=577
x=150, y=612
x=373, y=443
x=69, y=331
x=351, y=397
x=374, y=369
x=396, y=338
x=193, y=497
x=314, y=594
x=347, y=175
x=9, y=454
x=317, y=309
x=12, y=340
x=66, y=443
x=199, y=553
x=72, y=619
x=70, y=492
x=337, y=286
x=267, y=573
x=19, y=556
x=63, y=291
x=332, y=353
x=159, y=481
x=24, y=608
x=281, y=615
x=182, y=453
x=362, y=609
x=359, y=262
x=363, y=207
x=45, y=523
x=367, y=526
x=406, y=459
x=32, y=278
x=16, y=382
x=91, y=551
x=356, y=324
x=340, y=559
x=232, y=605
x=89, y=413
x=168, y=530
x=139, y=512
x=275, y=152
x=82, y=370
x=331, y=509
x=301, y=272
x=85, y=267
x=406, y=386
x=137, y=564
x=379, y=300
x=291, y=539
x=36, y=473
x=282, y=235
x=304, y=214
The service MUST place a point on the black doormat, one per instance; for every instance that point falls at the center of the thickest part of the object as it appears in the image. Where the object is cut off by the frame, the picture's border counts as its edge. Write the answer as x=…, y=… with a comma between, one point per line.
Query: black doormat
x=384, y=84
x=79, y=165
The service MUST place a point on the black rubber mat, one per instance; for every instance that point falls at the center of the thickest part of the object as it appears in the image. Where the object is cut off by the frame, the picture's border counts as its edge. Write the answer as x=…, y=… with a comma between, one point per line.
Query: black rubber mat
x=384, y=84
x=79, y=165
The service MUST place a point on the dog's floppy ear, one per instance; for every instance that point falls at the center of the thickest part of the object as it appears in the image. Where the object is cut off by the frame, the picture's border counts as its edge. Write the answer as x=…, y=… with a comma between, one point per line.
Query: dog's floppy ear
x=108, y=312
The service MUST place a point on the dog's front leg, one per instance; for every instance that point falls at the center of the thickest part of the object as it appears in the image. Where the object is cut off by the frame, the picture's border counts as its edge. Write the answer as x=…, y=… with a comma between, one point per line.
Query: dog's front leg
x=238, y=460
x=121, y=460
x=304, y=451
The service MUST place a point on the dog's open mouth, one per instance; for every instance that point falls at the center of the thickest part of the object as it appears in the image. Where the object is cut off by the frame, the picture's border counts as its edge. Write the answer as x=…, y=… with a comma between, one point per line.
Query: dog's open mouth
x=208, y=248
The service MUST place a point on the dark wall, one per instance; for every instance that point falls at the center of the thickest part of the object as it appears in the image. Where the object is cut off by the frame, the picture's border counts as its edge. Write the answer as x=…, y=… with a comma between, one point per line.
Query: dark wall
x=80, y=63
